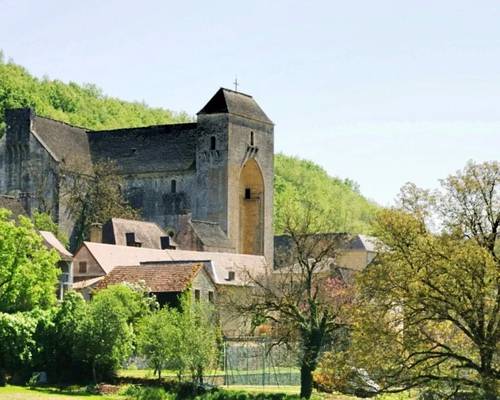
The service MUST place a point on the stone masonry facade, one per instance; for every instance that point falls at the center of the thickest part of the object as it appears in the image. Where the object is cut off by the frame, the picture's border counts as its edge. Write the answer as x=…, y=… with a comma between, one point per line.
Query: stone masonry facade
x=218, y=169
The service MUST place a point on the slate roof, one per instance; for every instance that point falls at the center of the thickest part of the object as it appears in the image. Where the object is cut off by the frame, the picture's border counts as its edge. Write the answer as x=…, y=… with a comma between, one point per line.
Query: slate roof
x=159, y=148
x=236, y=103
x=211, y=234
x=365, y=242
x=147, y=233
x=109, y=256
x=67, y=144
x=53, y=242
x=158, y=278
x=12, y=204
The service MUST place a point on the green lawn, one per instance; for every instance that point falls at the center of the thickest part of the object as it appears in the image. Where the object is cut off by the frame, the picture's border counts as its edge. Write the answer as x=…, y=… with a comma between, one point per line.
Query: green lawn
x=23, y=393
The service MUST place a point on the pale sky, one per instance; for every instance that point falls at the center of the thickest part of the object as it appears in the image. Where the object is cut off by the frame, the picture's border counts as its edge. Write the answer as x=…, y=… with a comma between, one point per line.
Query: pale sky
x=381, y=92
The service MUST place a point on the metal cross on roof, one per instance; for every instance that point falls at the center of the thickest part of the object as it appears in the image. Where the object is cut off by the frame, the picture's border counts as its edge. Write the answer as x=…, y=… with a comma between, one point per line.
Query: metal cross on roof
x=235, y=83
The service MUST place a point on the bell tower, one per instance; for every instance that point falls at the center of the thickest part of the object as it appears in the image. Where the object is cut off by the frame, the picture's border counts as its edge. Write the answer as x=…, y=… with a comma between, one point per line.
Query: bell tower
x=235, y=152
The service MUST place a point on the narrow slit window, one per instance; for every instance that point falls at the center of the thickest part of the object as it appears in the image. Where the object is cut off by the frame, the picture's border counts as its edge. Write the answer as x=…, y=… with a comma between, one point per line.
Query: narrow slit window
x=252, y=138
x=248, y=193
x=213, y=142
x=173, y=186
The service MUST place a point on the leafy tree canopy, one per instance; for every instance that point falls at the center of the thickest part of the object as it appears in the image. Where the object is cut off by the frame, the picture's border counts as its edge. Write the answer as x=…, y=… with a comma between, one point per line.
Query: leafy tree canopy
x=80, y=105
x=429, y=309
x=28, y=271
x=298, y=183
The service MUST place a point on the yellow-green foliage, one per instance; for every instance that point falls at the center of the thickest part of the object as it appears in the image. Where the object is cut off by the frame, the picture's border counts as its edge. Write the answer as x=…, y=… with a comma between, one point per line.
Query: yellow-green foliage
x=81, y=105
x=298, y=183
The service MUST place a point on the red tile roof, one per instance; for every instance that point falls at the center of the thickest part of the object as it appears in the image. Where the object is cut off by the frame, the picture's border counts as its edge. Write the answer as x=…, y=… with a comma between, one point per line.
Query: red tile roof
x=158, y=278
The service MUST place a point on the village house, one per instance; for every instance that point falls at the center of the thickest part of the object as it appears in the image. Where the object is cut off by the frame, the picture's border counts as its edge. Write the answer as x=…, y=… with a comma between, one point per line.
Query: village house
x=166, y=280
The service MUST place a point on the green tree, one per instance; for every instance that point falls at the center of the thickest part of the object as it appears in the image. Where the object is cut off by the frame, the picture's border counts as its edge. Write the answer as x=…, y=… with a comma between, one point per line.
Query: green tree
x=157, y=339
x=200, y=338
x=81, y=105
x=105, y=338
x=301, y=301
x=185, y=339
x=106, y=332
x=297, y=181
x=17, y=343
x=44, y=222
x=28, y=271
x=96, y=198
x=429, y=309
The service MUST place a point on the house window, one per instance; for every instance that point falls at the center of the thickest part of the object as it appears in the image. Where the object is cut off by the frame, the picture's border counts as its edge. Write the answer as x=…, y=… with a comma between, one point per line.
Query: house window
x=248, y=193
x=173, y=186
x=231, y=275
x=251, y=138
x=82, y=267
x=211, y=296
x=212, y=143
x=197, y=295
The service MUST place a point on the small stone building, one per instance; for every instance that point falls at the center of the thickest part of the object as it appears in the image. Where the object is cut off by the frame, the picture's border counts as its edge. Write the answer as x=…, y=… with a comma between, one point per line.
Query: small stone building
x=167, y=281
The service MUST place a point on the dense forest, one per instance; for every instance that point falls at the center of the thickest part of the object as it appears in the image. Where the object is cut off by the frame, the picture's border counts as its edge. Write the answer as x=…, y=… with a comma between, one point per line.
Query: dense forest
x=296, y=181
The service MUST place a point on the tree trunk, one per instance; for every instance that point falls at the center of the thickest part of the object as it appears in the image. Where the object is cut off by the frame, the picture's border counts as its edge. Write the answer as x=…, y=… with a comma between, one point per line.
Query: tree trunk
x=489, y=386
x=3, y=377
x=94, y=375
x=306, y=381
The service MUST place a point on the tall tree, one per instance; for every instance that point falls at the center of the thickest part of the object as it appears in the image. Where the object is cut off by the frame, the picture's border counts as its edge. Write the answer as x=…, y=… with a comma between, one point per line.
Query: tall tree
x=429, y=309
x=301, y=300
x=28, y=271
x=96, y=198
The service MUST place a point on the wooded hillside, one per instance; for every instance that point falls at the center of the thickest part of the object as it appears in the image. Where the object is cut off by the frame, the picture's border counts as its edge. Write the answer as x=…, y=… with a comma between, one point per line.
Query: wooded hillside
x=296, y=181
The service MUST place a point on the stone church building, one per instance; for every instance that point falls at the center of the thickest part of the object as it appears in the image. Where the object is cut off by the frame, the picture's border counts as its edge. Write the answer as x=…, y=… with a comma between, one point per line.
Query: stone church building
x=217, y=170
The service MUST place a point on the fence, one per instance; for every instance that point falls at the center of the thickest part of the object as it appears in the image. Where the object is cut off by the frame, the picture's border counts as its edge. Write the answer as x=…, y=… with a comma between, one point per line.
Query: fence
x=256, y=361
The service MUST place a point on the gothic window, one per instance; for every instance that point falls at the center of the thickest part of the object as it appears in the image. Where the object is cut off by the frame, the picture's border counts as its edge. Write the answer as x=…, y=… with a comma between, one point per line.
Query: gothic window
x=252, y=141
x=173, y=186
x=213, y=142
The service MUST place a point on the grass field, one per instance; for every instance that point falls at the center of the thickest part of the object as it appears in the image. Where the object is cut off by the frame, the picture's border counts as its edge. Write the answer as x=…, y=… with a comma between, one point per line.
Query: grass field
x=22, y=393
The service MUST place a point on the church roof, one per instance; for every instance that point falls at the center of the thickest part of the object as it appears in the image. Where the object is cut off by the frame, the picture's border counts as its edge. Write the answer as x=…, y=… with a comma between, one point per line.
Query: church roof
x=147, y=233
x=67, y=144
x=211, y=234
x=236, y=103
x=159, y=148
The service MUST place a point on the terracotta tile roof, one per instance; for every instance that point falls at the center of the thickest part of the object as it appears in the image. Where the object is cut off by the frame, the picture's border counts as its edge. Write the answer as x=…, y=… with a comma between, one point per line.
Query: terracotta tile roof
x=158, y=278
x=109, y=256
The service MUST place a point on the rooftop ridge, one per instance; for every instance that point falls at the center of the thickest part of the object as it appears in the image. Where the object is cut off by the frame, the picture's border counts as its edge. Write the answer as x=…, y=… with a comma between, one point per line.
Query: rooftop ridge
x=179, y=124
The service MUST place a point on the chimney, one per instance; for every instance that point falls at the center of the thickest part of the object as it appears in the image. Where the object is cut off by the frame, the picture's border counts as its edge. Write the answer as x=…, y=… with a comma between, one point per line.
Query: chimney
x=166, y=243
x=96, y=233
